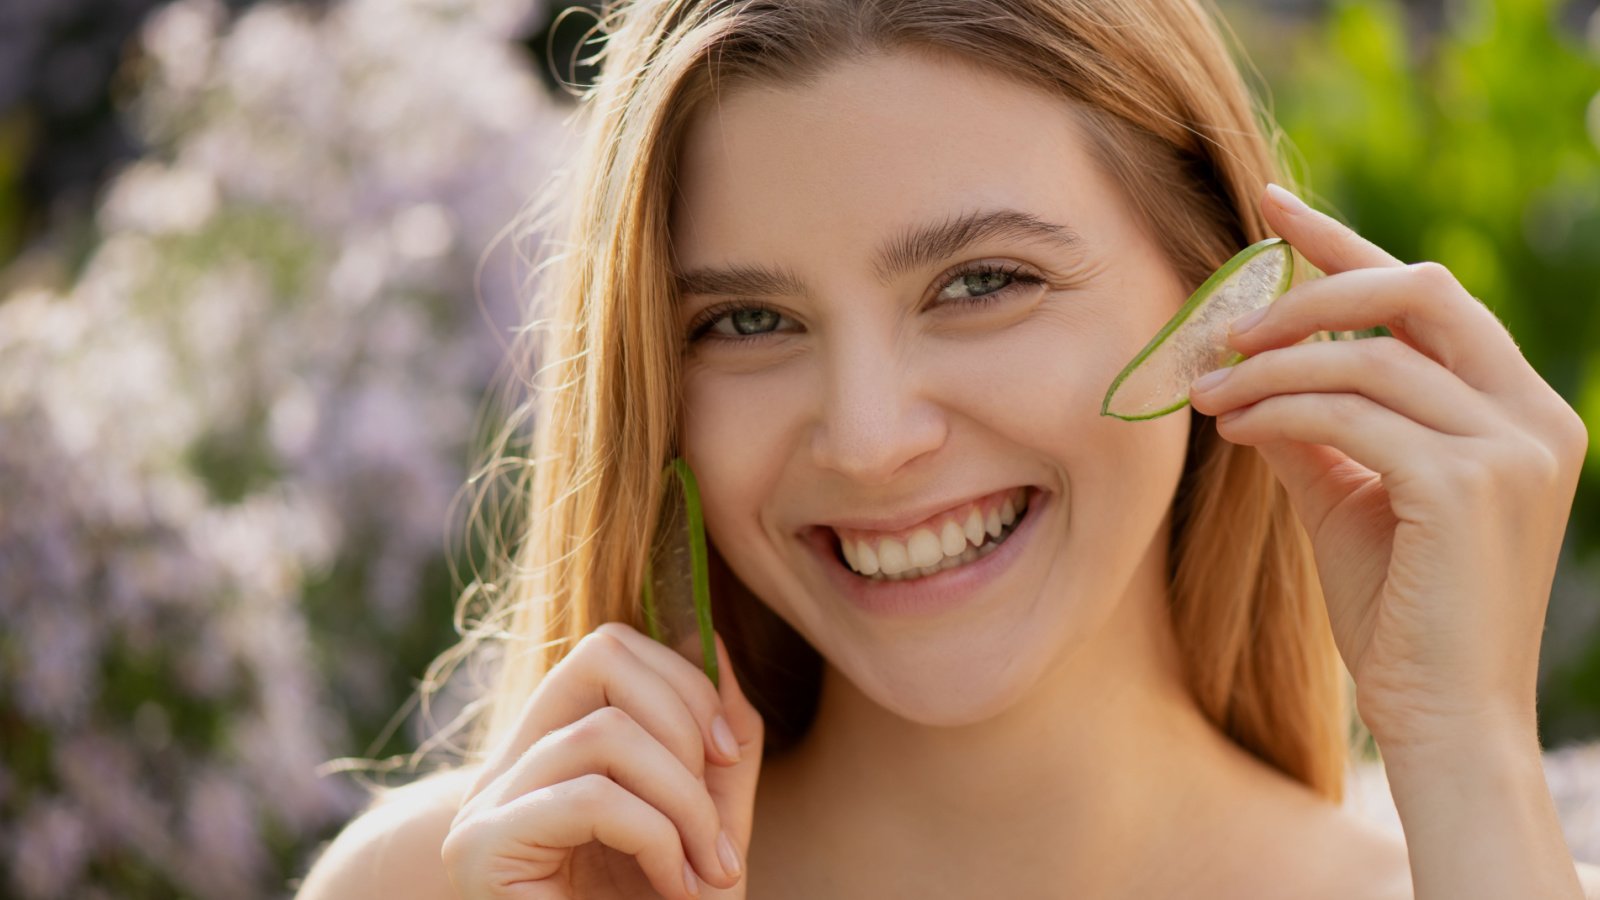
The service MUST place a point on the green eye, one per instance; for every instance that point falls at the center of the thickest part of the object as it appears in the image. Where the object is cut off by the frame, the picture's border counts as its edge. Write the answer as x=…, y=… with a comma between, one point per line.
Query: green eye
x=753, y=320
x=746, y=322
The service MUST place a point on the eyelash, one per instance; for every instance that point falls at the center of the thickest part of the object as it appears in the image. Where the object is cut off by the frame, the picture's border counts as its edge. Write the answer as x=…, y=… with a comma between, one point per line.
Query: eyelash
x=1018, y=275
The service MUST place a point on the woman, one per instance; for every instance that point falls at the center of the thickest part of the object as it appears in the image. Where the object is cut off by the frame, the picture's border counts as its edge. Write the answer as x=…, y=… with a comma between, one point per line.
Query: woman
x=869, y=267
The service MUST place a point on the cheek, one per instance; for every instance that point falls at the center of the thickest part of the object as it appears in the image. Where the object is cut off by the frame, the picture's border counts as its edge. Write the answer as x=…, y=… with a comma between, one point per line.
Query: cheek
x=735, y=425
x=1039, y=387
x=735, y=431
x=1039, y=383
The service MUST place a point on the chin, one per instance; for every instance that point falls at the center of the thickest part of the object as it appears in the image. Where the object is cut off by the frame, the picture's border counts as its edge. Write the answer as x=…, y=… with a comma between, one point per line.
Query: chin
x=947, y=686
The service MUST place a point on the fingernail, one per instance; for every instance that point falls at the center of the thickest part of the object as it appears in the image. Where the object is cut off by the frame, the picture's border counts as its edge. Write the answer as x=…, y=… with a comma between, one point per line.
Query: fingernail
x=1283, y=198
x=689, y=881
x=729, y=856
x=1210, y=380
x=1247, y=321
x=722, y=736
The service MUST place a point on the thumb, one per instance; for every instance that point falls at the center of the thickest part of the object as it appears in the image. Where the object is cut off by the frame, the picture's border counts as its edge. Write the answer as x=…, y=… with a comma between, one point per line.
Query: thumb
x=733, y=788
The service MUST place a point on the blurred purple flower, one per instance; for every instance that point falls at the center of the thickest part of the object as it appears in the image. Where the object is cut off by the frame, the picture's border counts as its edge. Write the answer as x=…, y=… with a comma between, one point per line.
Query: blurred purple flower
x=50, y=850
x=262, y=383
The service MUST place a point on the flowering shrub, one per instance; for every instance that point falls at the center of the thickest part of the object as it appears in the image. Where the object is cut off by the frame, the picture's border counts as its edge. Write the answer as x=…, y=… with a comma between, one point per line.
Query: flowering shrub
x=228, y=450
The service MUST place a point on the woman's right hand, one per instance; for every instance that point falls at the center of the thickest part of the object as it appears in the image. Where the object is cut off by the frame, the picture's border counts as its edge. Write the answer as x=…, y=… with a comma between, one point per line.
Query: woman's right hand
x=614, y=783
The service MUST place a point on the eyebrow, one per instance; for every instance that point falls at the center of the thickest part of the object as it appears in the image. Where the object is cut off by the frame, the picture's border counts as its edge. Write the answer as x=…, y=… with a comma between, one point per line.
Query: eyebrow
x=916, y=247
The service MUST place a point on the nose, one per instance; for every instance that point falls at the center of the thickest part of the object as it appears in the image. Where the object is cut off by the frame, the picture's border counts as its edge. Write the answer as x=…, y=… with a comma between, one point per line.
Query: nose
x=875, y=418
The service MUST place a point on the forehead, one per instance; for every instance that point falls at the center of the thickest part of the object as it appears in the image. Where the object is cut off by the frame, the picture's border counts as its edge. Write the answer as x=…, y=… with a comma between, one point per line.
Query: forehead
x=872, y=146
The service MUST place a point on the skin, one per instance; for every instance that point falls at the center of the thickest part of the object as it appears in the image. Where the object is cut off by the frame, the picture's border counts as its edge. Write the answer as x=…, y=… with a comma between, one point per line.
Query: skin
x=1023, y=737
x=1036, y=740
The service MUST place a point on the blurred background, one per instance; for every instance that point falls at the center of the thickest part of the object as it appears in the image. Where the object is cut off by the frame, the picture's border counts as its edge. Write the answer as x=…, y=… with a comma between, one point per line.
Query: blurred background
x=251, y=298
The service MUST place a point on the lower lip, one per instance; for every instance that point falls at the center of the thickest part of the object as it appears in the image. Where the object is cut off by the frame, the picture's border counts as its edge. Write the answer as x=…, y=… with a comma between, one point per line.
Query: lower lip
x=937, y=592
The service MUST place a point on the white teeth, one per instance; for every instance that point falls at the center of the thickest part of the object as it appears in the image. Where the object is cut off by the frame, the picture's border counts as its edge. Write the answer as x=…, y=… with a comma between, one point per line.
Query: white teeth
x=924, y=548
x=892, y=557
x=975, y=528
x=867, y=559
x=966, y=556
x=927, y=552
x=952, y=540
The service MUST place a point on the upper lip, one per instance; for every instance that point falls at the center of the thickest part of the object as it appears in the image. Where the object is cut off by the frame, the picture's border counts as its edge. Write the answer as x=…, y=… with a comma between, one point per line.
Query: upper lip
x=900, y=521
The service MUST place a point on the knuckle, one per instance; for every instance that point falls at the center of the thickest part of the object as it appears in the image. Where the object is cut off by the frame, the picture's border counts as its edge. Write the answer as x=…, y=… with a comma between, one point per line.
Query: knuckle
x=599, y=642
x=594, y=731
x=689, y=747
x=600, y=653
x=662, y=836
x=708, y=819
x=1469, y=473
x=1570, y=434
x=589, y=794
x=464, y=844
x=454, y=851
x=1432, y=274
x=1521, y=465
x=608, y=722
x=618, y=631
x=1578, y=435
x=1542, y=464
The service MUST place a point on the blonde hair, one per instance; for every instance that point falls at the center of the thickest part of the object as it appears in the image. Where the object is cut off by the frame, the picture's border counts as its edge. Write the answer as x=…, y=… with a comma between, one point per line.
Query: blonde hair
x=1169, y=118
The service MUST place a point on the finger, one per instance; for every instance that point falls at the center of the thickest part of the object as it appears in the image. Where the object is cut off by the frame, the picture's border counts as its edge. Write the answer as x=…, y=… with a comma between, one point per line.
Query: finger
x=692, y=685
x=734, y=788
x=514, y=841
x=1423, y=304
x=1372, y=435
x=1324, y=241
x=609, y=742
x=1318, y=478
x=1381, y=369
x=601, y=671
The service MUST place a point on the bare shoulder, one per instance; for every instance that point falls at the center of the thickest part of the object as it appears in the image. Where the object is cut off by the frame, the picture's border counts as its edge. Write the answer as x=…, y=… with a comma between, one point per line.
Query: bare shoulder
x=1381, y=855
x=1589, y=877
x=391, y=850
x=1364, y=859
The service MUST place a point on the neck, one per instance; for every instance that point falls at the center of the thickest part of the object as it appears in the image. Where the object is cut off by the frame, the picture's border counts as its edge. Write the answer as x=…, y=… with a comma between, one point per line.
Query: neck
x=1097, y=773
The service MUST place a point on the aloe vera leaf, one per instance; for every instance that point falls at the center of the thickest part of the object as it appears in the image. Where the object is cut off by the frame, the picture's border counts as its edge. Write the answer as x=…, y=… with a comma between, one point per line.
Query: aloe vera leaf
x=676, y=593
x=1194, y=341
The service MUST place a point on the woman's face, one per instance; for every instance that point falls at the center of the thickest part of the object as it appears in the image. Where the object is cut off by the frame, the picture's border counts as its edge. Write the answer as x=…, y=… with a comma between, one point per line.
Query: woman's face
x=910, y=288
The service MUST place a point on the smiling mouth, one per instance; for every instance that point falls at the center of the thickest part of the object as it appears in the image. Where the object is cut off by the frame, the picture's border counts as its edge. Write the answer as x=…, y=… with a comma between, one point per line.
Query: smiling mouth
x=930, y=550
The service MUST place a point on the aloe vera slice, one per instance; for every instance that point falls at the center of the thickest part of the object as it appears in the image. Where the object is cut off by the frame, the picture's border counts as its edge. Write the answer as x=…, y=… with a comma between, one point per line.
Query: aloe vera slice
x=1195, y=340
x=676, y=589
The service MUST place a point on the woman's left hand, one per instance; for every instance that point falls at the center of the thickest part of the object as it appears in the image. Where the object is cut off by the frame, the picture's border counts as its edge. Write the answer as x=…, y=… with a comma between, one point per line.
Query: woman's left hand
x=1434, y=472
